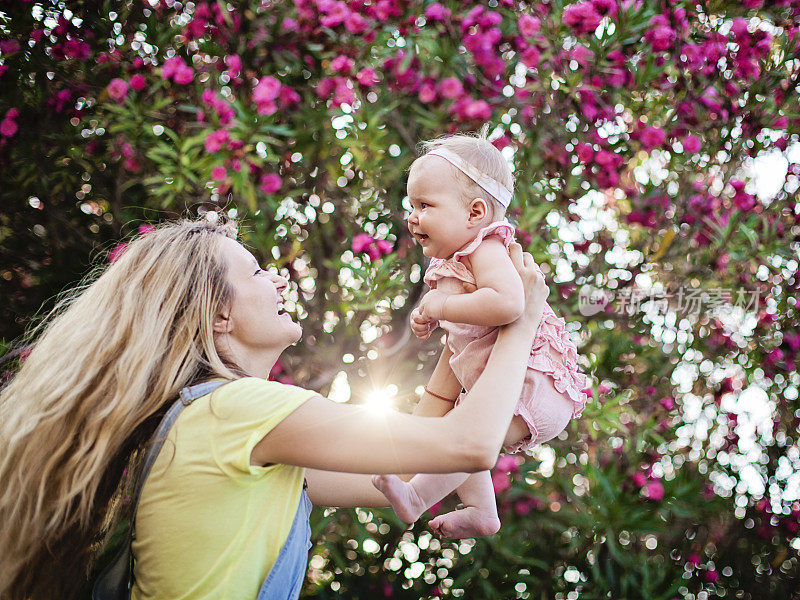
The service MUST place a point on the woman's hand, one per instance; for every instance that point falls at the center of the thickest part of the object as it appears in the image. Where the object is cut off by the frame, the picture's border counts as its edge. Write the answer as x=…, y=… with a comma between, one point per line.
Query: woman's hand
x=536, y=290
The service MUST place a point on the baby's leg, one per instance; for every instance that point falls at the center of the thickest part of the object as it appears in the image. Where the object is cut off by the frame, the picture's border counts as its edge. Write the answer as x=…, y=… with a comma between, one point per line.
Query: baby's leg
x=412, y=498
x=478, y=518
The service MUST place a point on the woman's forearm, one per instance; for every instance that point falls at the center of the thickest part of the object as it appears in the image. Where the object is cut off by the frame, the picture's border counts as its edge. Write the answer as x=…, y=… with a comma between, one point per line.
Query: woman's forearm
x=343, y=490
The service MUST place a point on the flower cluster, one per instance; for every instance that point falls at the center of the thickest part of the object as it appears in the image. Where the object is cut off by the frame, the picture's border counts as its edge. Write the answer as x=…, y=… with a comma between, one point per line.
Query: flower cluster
x=363, y=243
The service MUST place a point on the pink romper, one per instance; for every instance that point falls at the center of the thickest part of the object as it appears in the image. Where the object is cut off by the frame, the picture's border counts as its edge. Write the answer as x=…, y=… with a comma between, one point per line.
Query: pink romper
x=552, y=393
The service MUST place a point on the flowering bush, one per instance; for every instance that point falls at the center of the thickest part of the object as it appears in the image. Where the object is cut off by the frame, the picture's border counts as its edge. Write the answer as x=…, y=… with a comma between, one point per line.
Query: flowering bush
x=633, y=127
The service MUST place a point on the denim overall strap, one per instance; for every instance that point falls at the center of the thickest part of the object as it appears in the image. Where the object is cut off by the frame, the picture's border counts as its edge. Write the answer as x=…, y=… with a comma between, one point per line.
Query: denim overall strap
x=187, y=396
x=286, y=577
x=114, y=582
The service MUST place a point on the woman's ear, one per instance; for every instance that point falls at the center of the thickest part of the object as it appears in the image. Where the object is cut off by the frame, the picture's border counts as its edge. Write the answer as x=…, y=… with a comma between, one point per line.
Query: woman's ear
x=223, y=322
x=477, y=211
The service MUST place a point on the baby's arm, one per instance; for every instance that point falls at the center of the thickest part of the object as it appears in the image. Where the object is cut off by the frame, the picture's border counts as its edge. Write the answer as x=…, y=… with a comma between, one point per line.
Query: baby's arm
x=499, y=299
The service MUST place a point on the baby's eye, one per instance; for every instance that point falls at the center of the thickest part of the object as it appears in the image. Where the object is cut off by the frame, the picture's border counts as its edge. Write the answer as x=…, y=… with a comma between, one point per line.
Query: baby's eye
x=258, y=272
x=424, y=205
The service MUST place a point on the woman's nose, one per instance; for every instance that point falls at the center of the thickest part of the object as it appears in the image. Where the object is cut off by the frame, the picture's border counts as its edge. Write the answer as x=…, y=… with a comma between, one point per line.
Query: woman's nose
x=281, y=283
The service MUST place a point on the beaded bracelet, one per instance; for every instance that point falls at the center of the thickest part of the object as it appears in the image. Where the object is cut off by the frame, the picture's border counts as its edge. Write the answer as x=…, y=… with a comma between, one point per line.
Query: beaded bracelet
x=438, y=396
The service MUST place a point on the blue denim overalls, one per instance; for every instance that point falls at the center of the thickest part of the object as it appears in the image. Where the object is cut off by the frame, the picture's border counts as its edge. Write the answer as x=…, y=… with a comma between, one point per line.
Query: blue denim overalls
x=289, y=571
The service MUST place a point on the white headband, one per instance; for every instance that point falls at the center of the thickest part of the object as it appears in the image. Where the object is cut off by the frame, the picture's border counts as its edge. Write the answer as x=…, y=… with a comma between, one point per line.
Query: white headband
x=493, y=187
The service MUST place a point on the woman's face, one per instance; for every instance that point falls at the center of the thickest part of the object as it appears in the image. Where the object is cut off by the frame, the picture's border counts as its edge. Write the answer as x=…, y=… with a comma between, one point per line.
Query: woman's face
x=255, y=318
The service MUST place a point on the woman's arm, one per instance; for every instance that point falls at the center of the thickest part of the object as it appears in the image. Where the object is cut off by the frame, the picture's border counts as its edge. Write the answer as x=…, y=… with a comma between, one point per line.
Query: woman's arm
x=326, y=435
x=499, y=299
x=328, y=488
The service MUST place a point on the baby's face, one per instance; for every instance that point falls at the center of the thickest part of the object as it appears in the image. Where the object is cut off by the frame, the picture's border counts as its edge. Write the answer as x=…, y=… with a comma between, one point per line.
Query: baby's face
x=439, y=219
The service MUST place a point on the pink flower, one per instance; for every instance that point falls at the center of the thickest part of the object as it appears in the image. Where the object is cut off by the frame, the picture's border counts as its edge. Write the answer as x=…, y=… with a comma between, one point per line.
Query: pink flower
x=361, y=242
x=582, y=17
x=8, y=46
x=531, y=57
x=117, y=252
x=667, y=403
x=691, y=144
x=437, y=12
x=654, y=490
x=145, y=228
x=342, y=64
x=584, y=152
x=171, y=66
x=117, y=89
x=712, y=575
x=528, y=25
x=355, y=23
x=138, y=82
x=427, y=92
x=270, y=183
x=343, y=92
x=478, y=109
x=507, y=464
x=215, y=140
x=8, y=127
x=739, y=27
x=450, y=87
x=639, y=479
x=661, y=35
x=652, y=137
x=234, y=64
x=383, y=247
x=288, y=96
x=367, y=77
x=605, y=7
x=218, y=173
x=582, y=55
x=325, y=87
x=500, y=482
x=267, y=89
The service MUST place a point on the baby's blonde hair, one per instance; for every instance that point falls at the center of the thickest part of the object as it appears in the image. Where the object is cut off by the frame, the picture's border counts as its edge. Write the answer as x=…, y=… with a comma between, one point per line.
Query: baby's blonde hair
x=477, y=150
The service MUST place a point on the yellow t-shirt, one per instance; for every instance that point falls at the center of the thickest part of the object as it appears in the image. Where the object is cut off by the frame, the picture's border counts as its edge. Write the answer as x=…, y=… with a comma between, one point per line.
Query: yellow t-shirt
x=210, y=525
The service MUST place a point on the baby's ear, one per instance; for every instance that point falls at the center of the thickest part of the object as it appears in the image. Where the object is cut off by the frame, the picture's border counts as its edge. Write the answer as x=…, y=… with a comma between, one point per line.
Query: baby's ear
x=477, y=211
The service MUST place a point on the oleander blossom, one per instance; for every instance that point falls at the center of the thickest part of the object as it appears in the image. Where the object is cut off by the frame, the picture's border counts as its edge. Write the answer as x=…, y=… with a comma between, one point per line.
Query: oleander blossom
x=363, y=243
x=117, y=89
x=270, y=183
x=582, y=17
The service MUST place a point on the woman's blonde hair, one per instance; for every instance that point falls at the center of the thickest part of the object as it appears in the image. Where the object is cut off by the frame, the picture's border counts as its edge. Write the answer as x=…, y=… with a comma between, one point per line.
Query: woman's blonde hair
x=107, y=365
x=477, y=150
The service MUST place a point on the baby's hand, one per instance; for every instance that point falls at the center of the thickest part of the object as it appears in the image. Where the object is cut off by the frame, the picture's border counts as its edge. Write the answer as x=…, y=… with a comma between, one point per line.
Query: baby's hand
x=422, y=326
x=432, y=304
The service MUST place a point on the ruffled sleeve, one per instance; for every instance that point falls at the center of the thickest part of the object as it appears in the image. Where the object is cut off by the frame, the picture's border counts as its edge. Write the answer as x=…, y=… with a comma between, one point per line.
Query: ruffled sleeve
x=503, y=229
x=440, y=268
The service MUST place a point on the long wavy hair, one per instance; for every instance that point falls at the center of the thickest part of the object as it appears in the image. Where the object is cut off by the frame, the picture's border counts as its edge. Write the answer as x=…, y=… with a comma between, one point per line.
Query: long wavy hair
x=103, y=370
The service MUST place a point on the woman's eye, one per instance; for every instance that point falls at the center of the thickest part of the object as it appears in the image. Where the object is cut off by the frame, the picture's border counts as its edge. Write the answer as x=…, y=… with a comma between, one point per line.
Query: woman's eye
x=258, y=272
x=424, y=205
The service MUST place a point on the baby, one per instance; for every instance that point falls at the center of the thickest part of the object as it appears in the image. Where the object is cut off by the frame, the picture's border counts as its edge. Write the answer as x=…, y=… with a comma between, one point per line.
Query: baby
x=459, y=191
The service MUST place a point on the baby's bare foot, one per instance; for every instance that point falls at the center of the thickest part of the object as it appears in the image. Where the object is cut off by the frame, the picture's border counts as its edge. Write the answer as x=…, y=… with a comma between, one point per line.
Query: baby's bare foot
x=469, y=522
x=403, y=497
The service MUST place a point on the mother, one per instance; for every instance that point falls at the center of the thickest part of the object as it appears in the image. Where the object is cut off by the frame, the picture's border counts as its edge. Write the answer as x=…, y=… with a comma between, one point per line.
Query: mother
x=187, y=304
